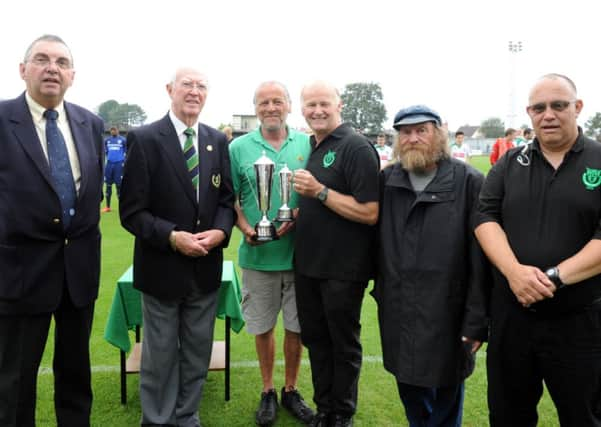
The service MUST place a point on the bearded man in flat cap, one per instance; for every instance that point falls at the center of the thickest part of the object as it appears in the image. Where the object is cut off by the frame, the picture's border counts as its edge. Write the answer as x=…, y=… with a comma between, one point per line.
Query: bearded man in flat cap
x=432, y=275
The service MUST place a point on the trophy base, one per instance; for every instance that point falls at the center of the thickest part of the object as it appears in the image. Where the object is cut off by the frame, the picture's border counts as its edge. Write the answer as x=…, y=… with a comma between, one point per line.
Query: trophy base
x=265, y=233
x=285, y=215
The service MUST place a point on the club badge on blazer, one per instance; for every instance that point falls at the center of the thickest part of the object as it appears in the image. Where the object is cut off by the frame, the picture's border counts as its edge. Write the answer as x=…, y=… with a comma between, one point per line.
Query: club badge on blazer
x=216, y=180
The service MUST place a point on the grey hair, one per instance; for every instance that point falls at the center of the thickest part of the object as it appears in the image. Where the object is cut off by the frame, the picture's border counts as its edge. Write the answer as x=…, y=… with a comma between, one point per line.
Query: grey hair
x=272, y=82
x=173, y=78
x=46, y=38
x=443, y=139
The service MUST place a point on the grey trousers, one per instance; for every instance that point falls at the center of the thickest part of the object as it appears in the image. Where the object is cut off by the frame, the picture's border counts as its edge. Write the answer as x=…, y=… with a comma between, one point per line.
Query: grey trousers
x=176, y=352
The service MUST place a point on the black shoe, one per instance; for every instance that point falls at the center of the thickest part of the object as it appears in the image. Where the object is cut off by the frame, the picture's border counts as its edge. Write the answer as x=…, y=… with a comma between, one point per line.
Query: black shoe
x=295, y=404
x=342, y=421
x=320, y=420
x=265, y=415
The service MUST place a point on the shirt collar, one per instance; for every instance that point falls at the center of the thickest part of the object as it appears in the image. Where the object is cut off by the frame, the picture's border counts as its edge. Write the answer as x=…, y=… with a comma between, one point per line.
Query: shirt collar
x=257, y=136
x=576, y=147
x=180, y=126
x=37, y=111
x=338, y=133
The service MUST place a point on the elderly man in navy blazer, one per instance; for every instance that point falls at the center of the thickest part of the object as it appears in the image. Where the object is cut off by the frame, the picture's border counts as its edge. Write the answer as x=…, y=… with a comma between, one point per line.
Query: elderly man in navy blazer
x=51, y=166
x=177, y=199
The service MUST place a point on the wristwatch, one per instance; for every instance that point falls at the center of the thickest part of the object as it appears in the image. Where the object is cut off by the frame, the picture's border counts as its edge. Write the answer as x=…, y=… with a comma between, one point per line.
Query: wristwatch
x=553, y=274
x=323, y=194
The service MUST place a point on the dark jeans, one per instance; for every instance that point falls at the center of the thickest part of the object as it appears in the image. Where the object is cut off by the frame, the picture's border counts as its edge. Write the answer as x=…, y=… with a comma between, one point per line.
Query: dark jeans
x=329, y=313
x=432, y=407
x=22, y=342
x=564, y=351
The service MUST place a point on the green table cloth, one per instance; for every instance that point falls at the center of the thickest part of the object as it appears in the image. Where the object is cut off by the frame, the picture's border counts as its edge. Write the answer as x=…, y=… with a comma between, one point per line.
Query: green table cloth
x=126, y=309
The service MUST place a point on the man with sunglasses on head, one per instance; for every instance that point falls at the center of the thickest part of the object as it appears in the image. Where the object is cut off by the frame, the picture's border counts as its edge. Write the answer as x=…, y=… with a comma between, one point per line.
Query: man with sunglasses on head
x=539, y=223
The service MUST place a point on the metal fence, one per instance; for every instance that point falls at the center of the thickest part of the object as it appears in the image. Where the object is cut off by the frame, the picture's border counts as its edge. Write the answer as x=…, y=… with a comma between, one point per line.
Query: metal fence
x=482, y=145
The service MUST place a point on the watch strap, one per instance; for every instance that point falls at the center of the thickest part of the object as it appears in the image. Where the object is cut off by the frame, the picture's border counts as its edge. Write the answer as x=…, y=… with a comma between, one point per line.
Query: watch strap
x=553, y=274
x=323, y=194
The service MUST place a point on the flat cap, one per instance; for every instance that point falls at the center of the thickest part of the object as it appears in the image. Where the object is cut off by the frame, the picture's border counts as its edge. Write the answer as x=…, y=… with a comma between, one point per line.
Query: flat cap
x=416, y=114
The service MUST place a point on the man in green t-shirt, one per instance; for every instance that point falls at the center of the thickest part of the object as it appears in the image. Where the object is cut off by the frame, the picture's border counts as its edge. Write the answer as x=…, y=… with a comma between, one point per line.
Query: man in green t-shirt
x=267, y=276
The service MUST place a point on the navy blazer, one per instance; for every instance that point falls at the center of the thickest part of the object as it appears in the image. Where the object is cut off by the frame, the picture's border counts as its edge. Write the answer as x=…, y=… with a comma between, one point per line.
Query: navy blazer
x=38, y=257
x=157, y=197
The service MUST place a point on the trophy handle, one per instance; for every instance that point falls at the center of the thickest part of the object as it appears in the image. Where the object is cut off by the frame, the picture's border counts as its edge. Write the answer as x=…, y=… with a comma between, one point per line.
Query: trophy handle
x=252, y=182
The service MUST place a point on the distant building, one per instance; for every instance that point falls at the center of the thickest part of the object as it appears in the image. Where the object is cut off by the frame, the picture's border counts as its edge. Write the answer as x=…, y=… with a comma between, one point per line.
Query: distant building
x=242, y=123
x=471, y=131
x=476, y=141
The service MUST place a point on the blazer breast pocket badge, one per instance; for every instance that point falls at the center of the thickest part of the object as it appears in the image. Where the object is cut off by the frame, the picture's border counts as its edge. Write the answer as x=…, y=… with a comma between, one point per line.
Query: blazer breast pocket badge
x=216, y=180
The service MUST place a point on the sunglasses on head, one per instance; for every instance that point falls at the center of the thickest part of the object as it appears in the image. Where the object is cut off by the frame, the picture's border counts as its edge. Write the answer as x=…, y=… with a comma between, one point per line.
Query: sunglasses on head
x=541, y=107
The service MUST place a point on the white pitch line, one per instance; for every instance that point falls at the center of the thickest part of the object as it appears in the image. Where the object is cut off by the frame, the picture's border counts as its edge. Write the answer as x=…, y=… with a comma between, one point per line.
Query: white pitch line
x=242, y=364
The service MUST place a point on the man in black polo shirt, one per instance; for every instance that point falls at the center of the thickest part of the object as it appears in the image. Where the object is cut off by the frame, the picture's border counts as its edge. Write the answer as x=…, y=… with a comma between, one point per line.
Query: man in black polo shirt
x=539, y=223
x=333, y=251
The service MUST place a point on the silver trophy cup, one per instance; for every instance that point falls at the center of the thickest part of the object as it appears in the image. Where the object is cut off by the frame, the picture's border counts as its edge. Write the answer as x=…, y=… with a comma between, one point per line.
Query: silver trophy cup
x=264, y=174
x=284, y=212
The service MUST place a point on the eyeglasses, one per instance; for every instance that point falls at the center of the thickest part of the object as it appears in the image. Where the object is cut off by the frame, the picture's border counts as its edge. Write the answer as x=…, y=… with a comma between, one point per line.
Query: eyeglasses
x=201, y=87
x=541, y=107
x=44, y=61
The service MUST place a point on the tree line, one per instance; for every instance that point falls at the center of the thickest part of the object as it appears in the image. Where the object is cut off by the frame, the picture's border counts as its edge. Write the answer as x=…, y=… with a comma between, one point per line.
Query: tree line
x=363, y=108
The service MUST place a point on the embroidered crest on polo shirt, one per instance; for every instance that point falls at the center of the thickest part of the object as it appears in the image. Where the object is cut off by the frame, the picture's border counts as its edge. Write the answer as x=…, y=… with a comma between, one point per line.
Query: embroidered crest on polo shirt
x=329, y=159
x=216, y=180
x=591, y=178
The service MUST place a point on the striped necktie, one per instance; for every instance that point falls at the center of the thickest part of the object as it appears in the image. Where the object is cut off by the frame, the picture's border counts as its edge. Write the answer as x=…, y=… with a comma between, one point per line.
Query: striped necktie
x=191, y=156
x=60, y=167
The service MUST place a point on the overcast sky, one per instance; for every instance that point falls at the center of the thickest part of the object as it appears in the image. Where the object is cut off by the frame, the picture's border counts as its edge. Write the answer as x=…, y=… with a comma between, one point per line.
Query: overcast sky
x=450, y=55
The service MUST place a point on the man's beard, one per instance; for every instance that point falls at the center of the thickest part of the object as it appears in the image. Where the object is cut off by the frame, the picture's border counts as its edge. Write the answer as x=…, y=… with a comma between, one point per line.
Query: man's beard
x=273, y=125
x=419, y=158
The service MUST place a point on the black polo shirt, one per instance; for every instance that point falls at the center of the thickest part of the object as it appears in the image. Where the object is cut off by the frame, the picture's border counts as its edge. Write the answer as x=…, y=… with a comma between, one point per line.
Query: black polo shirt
x=328, y=246
x=548, y=215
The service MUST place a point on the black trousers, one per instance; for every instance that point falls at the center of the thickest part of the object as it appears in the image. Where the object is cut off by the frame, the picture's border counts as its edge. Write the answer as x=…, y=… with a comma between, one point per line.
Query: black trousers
x=329, y=313
x=564, y=351
x=22, y=342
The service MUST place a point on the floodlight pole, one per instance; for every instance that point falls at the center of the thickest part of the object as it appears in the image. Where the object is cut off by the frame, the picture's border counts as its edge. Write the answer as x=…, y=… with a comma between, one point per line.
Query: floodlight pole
x=514, y=49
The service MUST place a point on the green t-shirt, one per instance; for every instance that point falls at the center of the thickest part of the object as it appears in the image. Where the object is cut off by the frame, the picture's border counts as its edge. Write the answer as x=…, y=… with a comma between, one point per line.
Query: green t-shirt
x=244, y=152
